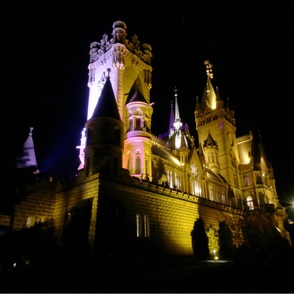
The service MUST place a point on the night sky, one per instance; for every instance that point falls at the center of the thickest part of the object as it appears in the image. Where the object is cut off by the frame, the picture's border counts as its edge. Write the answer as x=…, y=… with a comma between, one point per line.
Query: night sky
x=45, y=54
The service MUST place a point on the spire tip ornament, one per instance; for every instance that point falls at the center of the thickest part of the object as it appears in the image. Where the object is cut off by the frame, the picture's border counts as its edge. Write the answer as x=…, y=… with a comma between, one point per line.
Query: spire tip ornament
x=209, y=67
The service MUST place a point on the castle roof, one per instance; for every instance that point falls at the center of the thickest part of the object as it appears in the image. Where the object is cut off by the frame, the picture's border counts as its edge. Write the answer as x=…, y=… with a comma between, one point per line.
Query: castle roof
x=106, y=105
x=209, y=141
x=28, y=156
x=260, y=155
x=165, y=154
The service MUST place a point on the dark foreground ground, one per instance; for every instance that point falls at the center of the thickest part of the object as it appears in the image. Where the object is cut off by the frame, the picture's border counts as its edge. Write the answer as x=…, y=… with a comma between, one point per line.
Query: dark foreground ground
x=177, y=275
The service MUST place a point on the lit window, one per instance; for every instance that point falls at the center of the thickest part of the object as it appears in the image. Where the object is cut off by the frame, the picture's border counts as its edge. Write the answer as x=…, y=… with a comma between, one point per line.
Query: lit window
x=142, y=226
x=211, y=193
x=29, y=222
x=250, y=203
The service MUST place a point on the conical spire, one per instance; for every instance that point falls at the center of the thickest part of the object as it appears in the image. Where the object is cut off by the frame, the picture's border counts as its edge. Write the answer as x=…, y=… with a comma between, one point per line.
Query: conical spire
x=260, y=155
x=171, y=117
x=28, y=157
x=106, y=106
x=209, y=96
x=177, y=123
x=135, y=94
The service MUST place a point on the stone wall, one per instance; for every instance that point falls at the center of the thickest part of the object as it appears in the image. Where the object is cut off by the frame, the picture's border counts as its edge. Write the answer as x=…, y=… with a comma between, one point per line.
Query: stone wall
x=171, y=213
x=36, y=206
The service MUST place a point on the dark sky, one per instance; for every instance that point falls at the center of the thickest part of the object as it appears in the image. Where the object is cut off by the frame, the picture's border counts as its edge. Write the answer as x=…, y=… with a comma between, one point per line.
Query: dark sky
x=45, y=53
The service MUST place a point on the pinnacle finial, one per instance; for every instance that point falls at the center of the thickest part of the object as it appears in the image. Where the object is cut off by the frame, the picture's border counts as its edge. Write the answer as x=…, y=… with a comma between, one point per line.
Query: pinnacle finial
x=208, y=66
x=176, y=91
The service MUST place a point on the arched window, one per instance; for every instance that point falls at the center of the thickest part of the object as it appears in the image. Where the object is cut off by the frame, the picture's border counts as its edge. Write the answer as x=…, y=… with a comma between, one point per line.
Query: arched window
x=211, y=194
x=138, y=163
x=250, y=203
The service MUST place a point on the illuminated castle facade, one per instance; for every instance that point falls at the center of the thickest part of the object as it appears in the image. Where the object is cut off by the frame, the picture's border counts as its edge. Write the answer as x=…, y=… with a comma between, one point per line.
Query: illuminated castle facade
x=221, y=168
x=138, y=185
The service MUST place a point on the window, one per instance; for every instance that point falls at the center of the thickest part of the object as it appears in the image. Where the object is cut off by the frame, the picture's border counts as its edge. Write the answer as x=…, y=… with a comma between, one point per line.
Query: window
x=223, y=197
x=211, y=194
x=217, y=194
x=250, y=203
x=29, y=222
x=196, y=187
x=142, y=226
x=246, y=180
x=177, y=184
x=138, y=163
x=138, y=124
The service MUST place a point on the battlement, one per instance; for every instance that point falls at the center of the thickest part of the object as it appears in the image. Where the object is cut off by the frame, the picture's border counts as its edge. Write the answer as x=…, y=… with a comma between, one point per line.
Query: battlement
x=97, y=49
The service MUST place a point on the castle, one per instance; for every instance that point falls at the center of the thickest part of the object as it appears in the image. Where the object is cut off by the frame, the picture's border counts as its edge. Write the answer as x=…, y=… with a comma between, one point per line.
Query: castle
x=134, y=185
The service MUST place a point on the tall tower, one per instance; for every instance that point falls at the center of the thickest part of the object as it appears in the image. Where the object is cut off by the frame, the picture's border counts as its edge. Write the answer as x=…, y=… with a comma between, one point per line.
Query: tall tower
x=216, y=123
x=130, y=64
x=180, y=142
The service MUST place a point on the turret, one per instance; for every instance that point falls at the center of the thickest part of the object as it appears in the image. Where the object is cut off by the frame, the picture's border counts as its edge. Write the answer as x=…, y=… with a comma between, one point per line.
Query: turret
x=104, y=135
x=138, y=140
x=210, y=150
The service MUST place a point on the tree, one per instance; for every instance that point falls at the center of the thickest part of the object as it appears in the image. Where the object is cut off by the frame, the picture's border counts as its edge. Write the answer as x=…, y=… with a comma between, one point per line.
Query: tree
x=199, y=240
x=263, y=238
x=76, y=229
x=226, y=247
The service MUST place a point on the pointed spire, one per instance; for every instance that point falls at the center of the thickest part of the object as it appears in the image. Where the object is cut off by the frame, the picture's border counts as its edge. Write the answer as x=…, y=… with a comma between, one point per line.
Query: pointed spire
x=218, y=97
x=209, y=67
x=263, y=154
x=209, y=96
x=177, y=123
x=28, y=157
x=171, y=117
x=197, y=107
x=135, y=95
x=228, y=103
x=106, y=106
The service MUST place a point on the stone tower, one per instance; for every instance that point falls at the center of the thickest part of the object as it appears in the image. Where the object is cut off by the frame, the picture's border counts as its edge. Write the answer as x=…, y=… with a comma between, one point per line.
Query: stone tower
x=215, y=122
x=130, y=64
